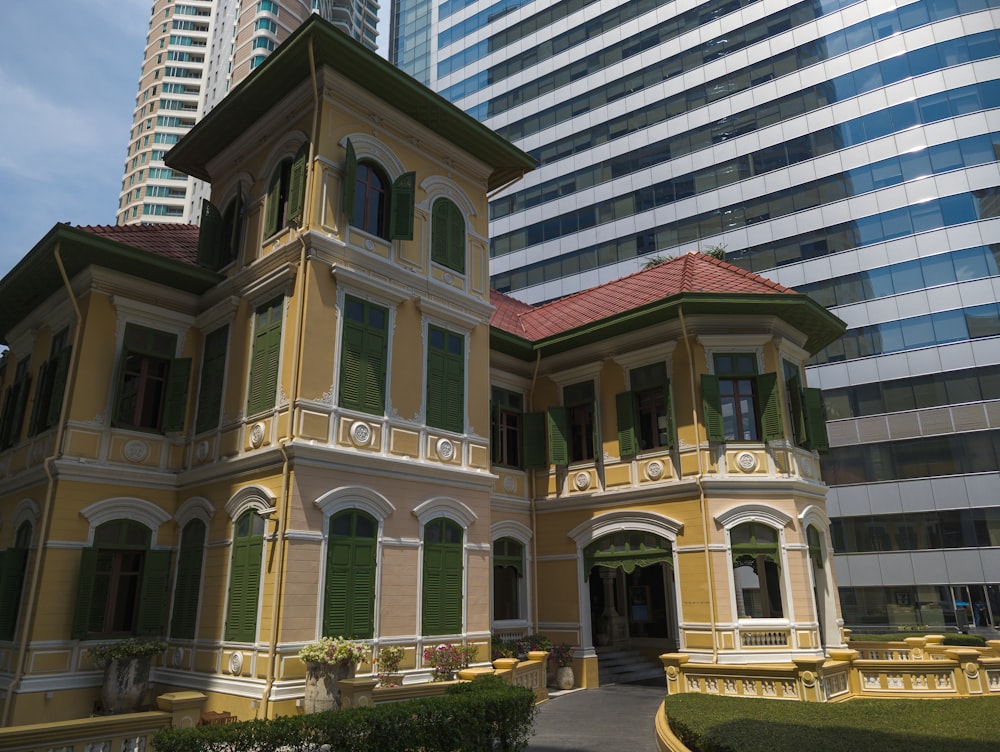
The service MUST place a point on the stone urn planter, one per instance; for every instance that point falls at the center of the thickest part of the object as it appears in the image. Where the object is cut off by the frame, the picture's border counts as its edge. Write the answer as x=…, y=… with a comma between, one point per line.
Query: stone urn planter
x=125, y=682
x=321, y=690
x=126, y=672
x=564, y=677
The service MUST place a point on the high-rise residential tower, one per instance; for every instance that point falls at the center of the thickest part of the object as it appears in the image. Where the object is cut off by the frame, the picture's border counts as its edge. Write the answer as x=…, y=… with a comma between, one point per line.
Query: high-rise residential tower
x=844, y=148
x=196, y=51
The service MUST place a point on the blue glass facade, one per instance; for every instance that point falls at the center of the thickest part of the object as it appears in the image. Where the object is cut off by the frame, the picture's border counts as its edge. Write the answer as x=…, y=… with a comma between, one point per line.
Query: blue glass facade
x=837, y=147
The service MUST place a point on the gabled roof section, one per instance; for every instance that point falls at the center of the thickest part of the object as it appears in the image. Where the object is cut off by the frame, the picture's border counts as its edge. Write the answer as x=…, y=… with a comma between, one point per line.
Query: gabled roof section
x=164, y=254
x=701, y=283
x=290, y=63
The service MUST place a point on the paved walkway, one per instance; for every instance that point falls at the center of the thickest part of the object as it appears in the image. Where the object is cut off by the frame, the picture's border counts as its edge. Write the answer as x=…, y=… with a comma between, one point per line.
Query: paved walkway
x=613, y=718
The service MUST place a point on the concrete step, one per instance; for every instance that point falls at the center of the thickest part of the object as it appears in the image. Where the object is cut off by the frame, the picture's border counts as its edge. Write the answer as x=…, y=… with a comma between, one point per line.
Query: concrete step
x=623, y=666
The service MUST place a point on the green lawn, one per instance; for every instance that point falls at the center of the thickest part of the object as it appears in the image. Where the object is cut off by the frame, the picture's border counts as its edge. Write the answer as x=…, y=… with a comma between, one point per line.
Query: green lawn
x=735, y=724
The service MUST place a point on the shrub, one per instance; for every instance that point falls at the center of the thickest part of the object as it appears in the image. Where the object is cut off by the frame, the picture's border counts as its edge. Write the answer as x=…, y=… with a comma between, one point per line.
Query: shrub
x=334, y=650
x=968, y=640
x=486, y=715
x=129, y=648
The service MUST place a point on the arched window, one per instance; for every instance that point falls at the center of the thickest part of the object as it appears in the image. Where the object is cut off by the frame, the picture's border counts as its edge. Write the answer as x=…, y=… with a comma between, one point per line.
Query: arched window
x=122, y=583
x=373, y=203
x=221, y=234
x=442, y=586
x=286, y=192
x=190, y=556
x=349, y=602
x=756, y=570
x=508, y=579
x=244, y=577
x=448, y=235
x=13, y=564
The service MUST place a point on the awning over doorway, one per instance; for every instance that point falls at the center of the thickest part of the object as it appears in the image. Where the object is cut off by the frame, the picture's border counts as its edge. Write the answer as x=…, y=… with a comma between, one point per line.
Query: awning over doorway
x=628, y=550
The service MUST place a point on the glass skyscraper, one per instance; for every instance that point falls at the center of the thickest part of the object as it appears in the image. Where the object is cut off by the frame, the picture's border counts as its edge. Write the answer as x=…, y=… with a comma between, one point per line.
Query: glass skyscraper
x=846, y=149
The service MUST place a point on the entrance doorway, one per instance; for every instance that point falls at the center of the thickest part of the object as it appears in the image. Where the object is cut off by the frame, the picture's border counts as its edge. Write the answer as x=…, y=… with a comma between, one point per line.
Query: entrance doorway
x=631, y=590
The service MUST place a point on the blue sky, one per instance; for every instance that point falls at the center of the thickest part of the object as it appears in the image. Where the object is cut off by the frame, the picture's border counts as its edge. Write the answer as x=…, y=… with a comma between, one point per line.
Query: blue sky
x=68, y=76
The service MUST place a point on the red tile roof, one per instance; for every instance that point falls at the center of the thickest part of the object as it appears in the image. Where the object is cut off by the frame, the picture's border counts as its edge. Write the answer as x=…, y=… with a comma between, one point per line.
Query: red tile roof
x=177, y=242
x=691, y=273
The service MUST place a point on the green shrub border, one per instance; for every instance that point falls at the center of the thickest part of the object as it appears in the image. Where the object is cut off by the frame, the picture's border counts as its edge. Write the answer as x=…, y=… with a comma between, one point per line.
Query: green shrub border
x=486, y=715
x=709, y=723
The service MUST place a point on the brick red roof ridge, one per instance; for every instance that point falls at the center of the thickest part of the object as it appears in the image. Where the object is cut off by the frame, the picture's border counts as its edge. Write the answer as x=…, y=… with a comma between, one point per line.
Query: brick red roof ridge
x=174, y=241
x=744, y=273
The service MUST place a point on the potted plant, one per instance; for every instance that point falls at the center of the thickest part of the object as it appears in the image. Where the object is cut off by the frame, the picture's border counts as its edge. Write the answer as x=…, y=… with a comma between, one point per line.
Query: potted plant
x=447, y=659
x=328, y=660
x=126, y=671
x=562, y=656
x=389, y=659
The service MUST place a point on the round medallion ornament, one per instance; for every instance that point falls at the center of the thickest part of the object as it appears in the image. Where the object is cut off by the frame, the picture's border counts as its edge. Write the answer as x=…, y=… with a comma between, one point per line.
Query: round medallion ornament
x=582, y=481
x=654, y=470
x=236, y=663
x=361, y=433
x=746, y=461
x=448, y=277
x=509, y=484
x=256, y=435
x=971, y=670
x=445, y=449
x=177, y=657
x=369, y=245
x=808, y=679
x=136, y=451
x=201, y=451
x=672, y=672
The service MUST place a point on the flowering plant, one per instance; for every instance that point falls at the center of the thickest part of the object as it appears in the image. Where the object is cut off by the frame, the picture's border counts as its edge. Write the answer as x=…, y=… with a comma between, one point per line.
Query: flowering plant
x=446, y=659
x=130, y=648
x=334, y=650
x=561, y=655
x=388, y=659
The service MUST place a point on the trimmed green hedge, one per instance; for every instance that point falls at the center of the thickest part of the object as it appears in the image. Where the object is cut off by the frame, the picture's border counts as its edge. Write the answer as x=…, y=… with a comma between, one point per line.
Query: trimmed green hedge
x=486, y=715
x=708, y=723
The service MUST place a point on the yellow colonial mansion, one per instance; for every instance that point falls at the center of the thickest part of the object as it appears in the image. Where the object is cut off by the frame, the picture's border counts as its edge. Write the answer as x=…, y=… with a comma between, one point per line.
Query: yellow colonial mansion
x=313, y=417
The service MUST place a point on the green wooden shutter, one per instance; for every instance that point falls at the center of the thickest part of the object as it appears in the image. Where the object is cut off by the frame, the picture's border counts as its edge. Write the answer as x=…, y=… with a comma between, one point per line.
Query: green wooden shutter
x=798, y=418
x=625, y=407
x=210, y=236
x=153, y=594
x=439, y=232
x=264, y=360
x=363, y=366
x=815, y=419
x=456, y=240
x=84, y=593
x=19, y=408
x=668, y=411
x=244, y=588
x=362, y=594
x=350, y=182
x=297, y=183
x=401, y=206
x=40, y=408
x=435, y=388
x=448, y=235
x=451, y=590
x=235, y=231
x=769, y=407
x=558, y=433
x=352, y=366
x=496, y=435
x=533, y=441
x=5, y=417
x=13, y=562
x=213, y=370
x=442, y=588
x=273, y=204
x=337, y=602
x=190, y=560
x=124, y=400
x=59, y=378
x=175, y=404
x=711, y=403
x=454, y=388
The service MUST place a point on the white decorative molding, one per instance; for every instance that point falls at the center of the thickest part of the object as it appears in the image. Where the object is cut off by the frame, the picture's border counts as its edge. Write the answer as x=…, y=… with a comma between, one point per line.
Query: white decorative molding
x=445, y=449
x=129, y=508
x=586, y=372
x=201, y=451
x=624, y=520
x=279, y=282
x=581, y=481
x=444, y=506
x=256, y=435
x=355, y=497
x=509, y=484
x=746, y=461
x=136, y=450
x=236, y=663
x=753, y=513
x=654, y=470
x=510, y=529
x=195, y=508
x=384, y=291
x=658, y=353
x=361, y=433
x=257, y=498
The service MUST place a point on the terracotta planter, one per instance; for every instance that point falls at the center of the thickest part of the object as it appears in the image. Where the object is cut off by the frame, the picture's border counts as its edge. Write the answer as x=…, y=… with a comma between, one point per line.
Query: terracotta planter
x=125, y=683
x=564, y=677
x=321, y=691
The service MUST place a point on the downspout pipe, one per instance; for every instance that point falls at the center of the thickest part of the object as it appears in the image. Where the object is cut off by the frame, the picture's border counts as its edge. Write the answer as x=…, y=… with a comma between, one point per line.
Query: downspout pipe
x=534, y=513
x=30, y=604
x=285, y=502
x=702, y=501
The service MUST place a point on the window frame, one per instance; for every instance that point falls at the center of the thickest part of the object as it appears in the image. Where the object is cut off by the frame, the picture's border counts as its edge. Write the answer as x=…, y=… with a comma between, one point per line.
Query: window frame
x=747, y=383
x=516, y=562
x=394, y=215
x=364, y=357
x=442, y=582
x=243, y=592
x=448, y=235
x=350, y=612
x=265, y=356
x=444, y=406
x=284, y=205
x=150, y=346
